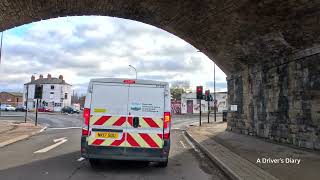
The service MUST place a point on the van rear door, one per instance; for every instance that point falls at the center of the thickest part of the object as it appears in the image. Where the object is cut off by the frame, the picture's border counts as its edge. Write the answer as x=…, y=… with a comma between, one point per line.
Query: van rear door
x=109, y=114
x=145, y=116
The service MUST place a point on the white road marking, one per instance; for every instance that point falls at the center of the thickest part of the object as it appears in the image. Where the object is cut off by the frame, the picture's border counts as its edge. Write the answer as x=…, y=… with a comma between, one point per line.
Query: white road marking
x=60, y=139
x=66, y=128
x=80, y=159
x=58, y=142
x=175, y=128
x=184, y=146
x=43, y=129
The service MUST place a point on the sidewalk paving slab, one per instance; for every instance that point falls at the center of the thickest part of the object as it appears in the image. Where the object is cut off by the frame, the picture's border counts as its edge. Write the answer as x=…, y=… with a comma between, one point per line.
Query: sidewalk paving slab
x=237, y=154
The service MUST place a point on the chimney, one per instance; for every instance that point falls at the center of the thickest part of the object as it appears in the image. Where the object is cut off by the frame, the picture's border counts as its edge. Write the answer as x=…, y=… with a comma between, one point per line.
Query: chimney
x=49, y=76
x=41, y=76
x=61, y=77
x=33, y=78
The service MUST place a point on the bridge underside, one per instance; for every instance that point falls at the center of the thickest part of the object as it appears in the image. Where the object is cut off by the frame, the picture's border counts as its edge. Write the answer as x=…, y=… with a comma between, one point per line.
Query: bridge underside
x=268, y=49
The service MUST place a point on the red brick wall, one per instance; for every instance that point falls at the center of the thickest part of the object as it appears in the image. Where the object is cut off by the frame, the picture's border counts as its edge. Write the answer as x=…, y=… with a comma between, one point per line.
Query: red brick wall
x=6, y=98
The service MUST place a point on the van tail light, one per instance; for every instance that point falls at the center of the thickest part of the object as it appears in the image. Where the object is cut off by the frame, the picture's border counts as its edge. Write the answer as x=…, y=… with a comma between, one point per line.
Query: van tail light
x=85, y=125
x=166, y=123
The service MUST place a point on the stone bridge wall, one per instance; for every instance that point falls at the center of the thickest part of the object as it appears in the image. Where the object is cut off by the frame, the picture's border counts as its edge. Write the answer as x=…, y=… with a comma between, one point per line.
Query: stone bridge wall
x=280, y=100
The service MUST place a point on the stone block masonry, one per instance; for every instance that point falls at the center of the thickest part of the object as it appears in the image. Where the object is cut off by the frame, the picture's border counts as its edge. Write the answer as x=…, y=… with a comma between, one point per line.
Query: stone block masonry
x=280, y=102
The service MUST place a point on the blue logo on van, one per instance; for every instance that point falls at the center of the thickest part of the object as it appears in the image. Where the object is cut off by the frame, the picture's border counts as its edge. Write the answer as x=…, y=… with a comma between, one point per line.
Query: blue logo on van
x=136, y=106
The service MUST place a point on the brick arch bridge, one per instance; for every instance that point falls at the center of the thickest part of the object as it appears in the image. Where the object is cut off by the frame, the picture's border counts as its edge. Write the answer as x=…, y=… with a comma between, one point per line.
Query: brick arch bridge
x=268, y=49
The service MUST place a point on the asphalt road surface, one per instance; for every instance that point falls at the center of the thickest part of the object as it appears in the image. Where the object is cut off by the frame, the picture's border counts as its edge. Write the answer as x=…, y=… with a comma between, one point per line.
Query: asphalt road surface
x=58, y=120
x=19, y=160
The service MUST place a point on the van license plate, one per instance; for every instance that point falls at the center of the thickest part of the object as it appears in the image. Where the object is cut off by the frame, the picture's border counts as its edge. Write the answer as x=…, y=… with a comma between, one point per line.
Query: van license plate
x=112, y=135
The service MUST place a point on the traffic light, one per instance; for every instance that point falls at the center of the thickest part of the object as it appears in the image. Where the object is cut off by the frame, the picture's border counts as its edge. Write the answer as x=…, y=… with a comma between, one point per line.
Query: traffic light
x=38, y=92
x=211, y=98
x=199, y=92
x=207, y=95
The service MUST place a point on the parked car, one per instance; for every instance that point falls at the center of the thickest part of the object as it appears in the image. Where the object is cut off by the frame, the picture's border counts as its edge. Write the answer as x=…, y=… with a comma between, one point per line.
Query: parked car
x=5, y=107
x=44, y=109
x=2, y=107
x=69, y=110
x=21, y=108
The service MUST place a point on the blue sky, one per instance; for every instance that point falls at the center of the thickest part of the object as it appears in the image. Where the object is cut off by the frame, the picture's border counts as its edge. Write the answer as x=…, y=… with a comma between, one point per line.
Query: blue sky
x=19, y=31
x=87, y=47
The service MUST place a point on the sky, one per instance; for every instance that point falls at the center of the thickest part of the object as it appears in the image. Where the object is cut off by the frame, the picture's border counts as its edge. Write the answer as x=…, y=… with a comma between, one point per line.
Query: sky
x=81, y=48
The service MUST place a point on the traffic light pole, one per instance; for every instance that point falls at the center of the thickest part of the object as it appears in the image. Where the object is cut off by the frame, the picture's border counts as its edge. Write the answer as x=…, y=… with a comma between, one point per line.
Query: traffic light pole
x=26, y=113
x=200, y=112
x=36, y=122
x=208, y=109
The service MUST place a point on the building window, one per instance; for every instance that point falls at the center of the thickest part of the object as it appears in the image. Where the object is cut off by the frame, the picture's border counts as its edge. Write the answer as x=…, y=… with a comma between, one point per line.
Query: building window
x=65, y=95
x=57, y=104
x=52, y=86
x=51, y=95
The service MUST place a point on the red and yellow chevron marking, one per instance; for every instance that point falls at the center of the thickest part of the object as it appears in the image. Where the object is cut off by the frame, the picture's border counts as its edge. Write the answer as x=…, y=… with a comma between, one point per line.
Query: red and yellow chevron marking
x=144, y=122
x=108, y=120
x=107, y=142
x=142, y=140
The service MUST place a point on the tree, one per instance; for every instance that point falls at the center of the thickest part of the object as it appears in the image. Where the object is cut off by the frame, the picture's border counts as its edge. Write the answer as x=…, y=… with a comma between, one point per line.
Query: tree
x=176, y=93
x=185, y=85
x=178, y=88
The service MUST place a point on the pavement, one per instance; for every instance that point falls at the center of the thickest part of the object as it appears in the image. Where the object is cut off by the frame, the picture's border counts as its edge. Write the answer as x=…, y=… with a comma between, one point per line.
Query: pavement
x=12, y=131
x=247, y=157
x=54, y=154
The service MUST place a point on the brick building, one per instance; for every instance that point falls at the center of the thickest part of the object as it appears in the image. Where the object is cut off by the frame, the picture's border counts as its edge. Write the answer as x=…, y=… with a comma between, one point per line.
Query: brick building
x=11, y=98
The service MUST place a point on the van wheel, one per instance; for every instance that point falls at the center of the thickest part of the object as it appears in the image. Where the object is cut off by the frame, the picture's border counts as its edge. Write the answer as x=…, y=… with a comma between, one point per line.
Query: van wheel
x=94, y=163
x=162, y=164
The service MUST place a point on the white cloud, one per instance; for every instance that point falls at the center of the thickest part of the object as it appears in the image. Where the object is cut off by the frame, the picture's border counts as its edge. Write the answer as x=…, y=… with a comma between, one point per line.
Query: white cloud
x=87, y=47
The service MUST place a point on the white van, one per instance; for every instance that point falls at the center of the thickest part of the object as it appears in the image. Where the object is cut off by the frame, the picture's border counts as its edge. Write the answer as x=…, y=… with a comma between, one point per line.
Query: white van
x=126, y=120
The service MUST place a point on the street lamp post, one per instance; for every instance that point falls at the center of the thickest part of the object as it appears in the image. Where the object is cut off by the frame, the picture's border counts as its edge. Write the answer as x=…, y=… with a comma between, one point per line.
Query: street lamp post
x=134, y=70
x=214, y=91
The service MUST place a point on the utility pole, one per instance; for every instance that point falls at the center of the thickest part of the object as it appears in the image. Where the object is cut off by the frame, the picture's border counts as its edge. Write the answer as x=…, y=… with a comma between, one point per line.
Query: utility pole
x=214, y=92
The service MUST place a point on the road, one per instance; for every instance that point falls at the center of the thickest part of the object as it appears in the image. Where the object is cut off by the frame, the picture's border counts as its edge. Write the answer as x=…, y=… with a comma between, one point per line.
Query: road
x=19, y=160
